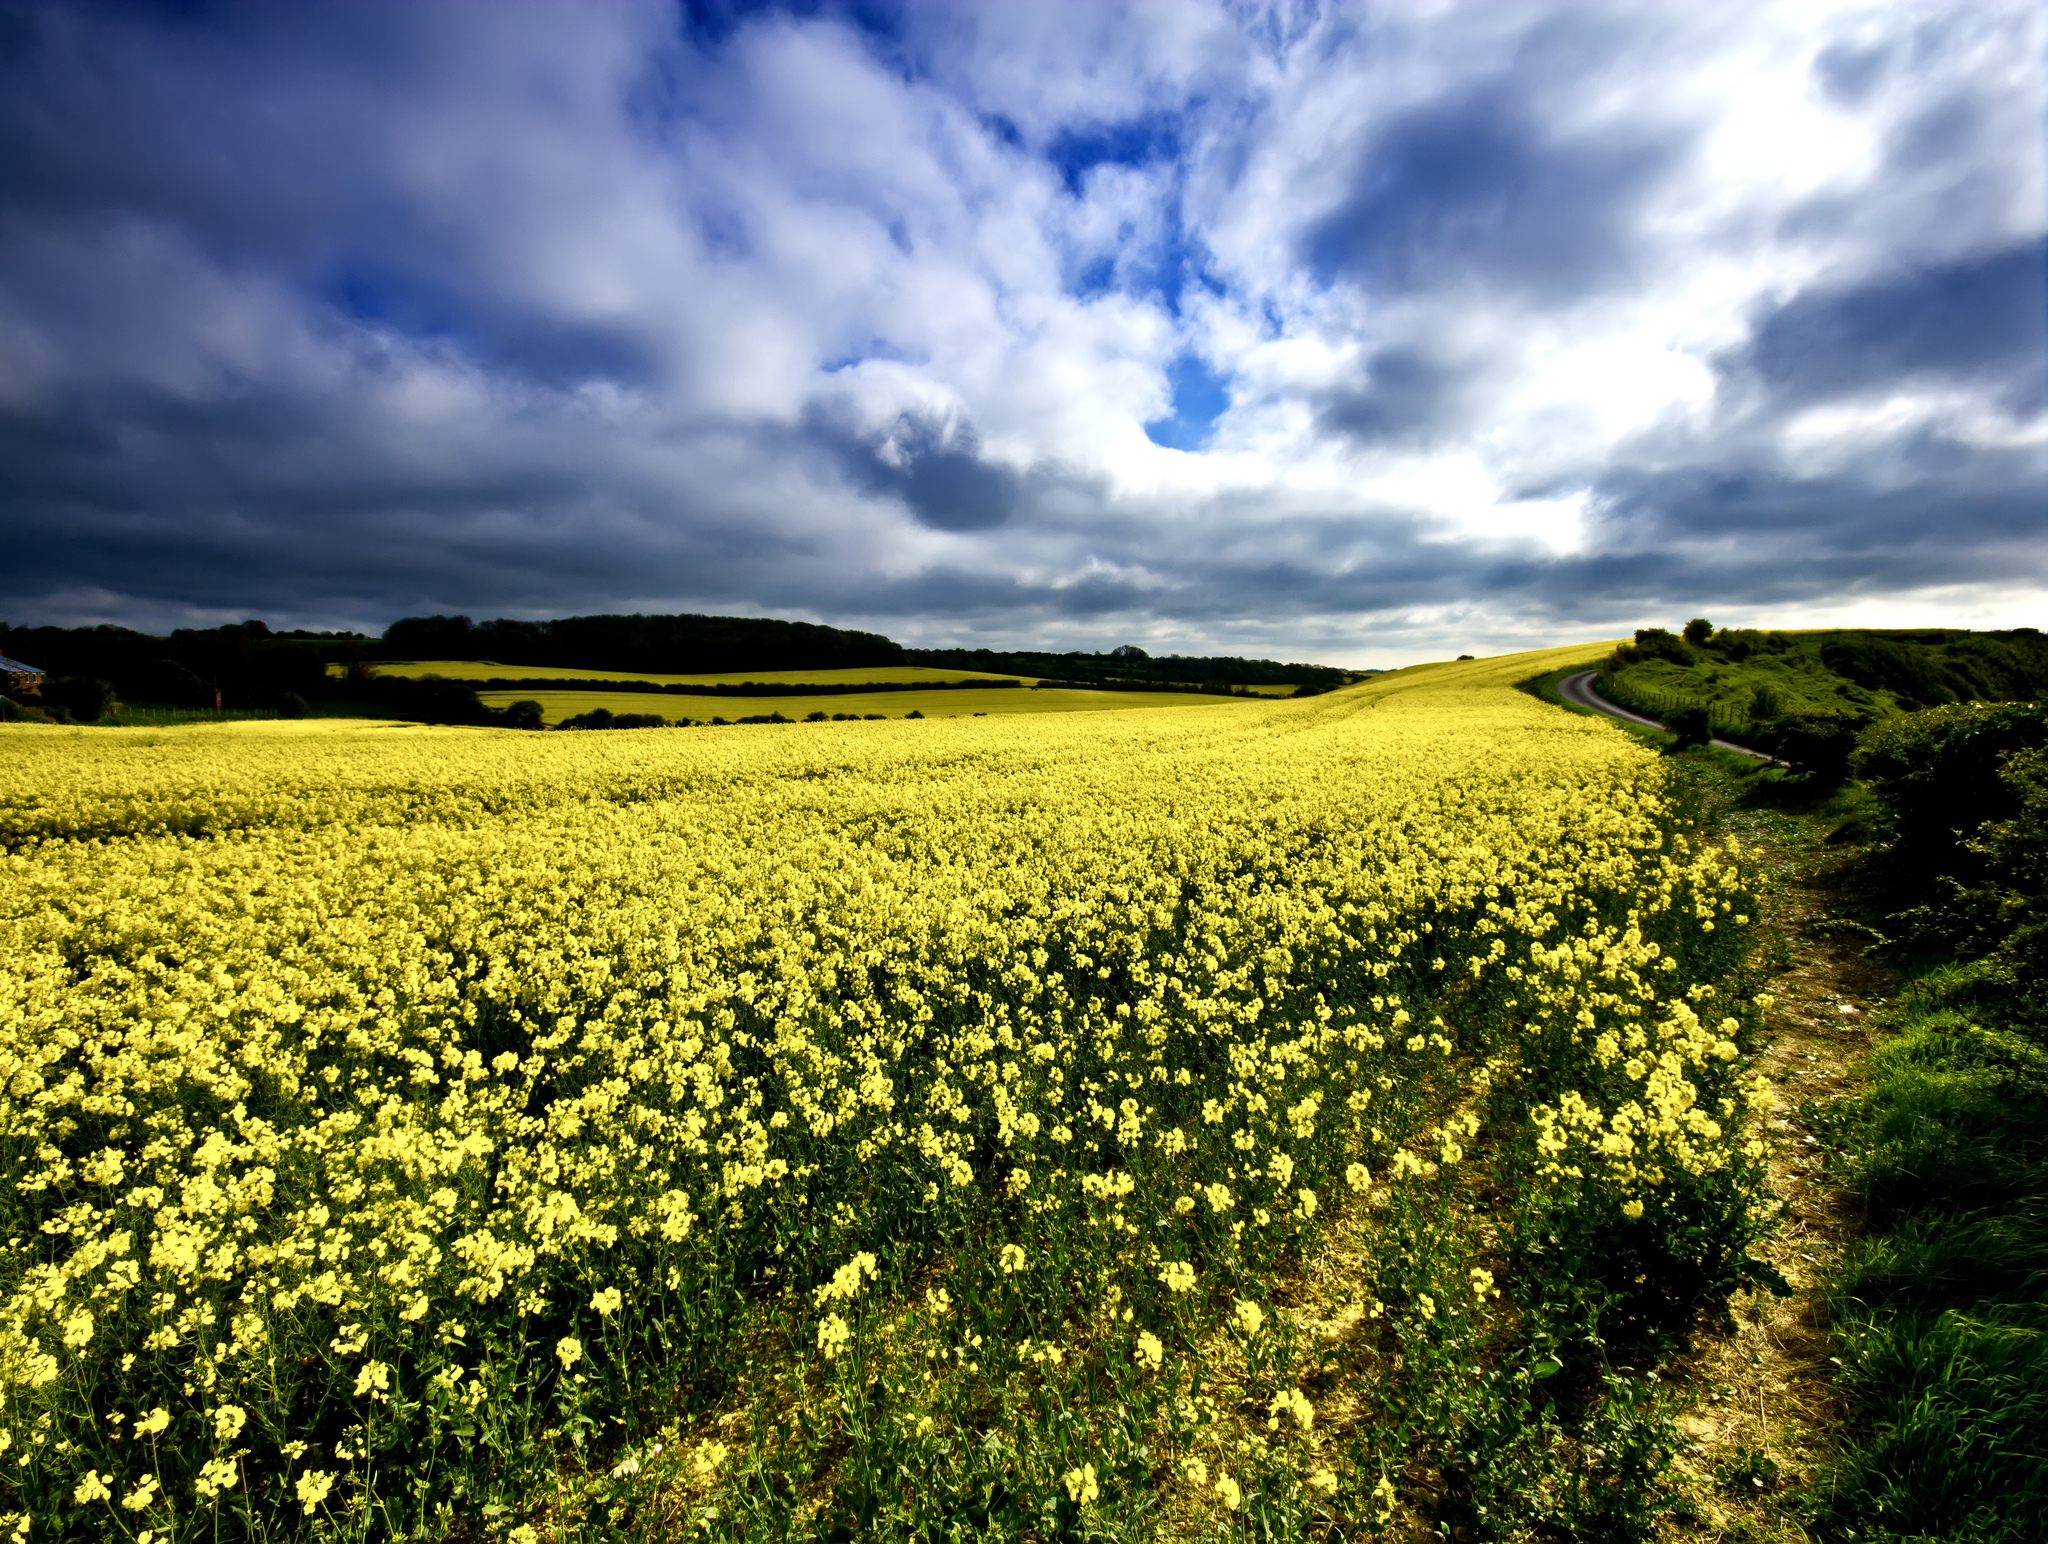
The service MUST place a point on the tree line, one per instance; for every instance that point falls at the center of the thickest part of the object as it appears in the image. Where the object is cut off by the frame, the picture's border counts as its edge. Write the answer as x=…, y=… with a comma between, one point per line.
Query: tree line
x=247, y=665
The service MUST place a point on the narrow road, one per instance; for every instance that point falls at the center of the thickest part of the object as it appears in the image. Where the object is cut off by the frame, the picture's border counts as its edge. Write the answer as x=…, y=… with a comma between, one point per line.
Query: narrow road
x=1578, y=689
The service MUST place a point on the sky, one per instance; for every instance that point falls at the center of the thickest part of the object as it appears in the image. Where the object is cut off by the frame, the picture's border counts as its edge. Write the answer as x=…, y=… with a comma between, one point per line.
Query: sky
x=1356, y=333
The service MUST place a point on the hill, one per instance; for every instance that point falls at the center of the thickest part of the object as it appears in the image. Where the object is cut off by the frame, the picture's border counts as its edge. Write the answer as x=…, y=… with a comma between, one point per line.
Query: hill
x=1748, y=680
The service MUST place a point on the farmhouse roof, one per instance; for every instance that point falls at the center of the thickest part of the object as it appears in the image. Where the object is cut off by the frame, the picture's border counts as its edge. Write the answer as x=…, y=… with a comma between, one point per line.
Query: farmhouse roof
x=16, y=667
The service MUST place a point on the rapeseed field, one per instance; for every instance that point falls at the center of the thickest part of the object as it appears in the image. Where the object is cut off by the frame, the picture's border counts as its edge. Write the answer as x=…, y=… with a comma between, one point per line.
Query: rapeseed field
x=1253, y=1123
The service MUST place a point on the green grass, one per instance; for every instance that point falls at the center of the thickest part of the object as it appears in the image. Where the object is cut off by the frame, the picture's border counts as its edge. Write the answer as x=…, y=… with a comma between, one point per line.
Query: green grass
x=957, y=702
x=1941, y=1310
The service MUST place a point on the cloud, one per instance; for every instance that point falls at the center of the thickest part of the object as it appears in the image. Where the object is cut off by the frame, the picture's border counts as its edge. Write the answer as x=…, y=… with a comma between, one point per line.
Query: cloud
x=1343, y=331
x=1406, y=394
x=1478, y=192
x=1981, y=322
x=933, y=466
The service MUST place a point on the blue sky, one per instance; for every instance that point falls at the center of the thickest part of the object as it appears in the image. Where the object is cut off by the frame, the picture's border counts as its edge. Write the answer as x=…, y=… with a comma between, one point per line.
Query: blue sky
x=1361, y=333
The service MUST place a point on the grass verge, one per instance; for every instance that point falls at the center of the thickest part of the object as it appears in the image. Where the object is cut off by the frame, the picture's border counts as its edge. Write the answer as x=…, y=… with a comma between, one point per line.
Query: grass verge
x=1941, y=1308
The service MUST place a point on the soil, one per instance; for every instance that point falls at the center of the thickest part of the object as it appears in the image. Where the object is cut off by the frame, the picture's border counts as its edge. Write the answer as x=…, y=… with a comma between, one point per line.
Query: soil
x=1760, y=1405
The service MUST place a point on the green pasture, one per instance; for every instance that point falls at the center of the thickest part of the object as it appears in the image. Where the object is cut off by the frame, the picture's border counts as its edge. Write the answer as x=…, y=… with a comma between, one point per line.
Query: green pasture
x=956, y=703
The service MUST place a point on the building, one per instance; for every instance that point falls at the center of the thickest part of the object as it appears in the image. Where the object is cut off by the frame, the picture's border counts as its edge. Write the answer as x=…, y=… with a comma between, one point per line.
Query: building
x=19, y=680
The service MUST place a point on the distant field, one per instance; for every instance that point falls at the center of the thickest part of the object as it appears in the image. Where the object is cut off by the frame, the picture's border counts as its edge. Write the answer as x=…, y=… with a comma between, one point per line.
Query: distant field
x=959, y=702
x=484, y=670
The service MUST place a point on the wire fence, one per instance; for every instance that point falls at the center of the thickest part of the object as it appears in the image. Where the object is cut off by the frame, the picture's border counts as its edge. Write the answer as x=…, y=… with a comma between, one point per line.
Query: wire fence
x=1660, y=703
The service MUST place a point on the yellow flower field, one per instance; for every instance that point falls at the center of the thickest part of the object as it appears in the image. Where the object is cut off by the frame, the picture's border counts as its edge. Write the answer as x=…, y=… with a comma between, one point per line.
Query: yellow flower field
x=484, y=670
x=421, y=1131
x=957, y=703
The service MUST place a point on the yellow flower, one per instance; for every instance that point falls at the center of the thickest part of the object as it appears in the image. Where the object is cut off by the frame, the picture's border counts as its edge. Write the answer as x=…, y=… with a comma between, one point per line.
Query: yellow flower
x=1196, y=1471
x=143, y=1496
x=1249, y=1316
x=313, y=1488
x=846, y=1281
x=1324, y=1480
x=1150, y=1351
x=90, y=1489
x=215, y=1476
x=1081, y=1486
x=1012, y=1259
x=608, y=1301
x=1293, y=1402
x=1227, y=1488
x=833, y=1334
x=156, y=1421
x=568, y=1351
x=1178, y=1275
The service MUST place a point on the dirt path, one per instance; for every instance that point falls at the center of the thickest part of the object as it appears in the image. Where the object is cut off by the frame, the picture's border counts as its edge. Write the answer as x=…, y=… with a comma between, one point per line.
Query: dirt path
x=1760, y=1401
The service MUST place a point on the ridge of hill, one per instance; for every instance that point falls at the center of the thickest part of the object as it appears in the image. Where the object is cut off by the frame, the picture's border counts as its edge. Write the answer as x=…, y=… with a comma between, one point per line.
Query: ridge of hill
x=1129, y=667
x=681, y=644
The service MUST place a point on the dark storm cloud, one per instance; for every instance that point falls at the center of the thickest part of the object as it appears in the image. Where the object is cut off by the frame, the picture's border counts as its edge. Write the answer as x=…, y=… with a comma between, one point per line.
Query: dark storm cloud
x=1983, y=320
x=1479, y=190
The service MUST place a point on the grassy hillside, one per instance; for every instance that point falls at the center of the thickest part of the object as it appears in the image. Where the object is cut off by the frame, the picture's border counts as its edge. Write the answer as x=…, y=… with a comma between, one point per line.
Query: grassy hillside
x=1746, y=678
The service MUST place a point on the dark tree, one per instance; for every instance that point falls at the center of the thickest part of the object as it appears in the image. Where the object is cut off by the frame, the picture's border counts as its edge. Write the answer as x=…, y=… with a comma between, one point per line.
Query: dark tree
x=85, y=698
x=1691, y=727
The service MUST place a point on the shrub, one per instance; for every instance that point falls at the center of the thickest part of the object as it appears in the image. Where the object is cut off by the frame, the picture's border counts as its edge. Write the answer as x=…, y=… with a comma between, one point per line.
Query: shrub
x=1692, y=727
x=523, y=714
x=292, y=705
x=1815, y=745
x=1657, y=643
x=1697, y=632
x=85, y=698
x=1938, y=774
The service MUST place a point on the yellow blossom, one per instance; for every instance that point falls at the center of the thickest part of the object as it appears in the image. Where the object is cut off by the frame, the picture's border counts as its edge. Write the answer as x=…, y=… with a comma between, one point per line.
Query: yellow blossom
x=1081, y=1485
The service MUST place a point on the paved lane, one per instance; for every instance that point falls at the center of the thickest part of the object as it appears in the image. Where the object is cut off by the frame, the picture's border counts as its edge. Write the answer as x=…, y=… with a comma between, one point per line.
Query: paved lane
x=1578, y=689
